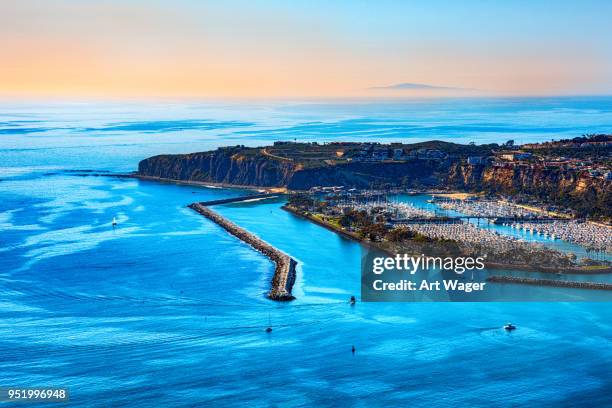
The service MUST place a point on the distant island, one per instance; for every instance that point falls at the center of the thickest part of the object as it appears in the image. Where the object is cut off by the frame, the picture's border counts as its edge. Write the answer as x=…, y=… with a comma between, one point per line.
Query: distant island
x=572, y=176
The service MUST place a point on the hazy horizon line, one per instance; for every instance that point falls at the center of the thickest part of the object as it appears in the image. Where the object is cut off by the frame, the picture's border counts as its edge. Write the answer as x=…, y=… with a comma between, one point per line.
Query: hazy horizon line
x=364, y=98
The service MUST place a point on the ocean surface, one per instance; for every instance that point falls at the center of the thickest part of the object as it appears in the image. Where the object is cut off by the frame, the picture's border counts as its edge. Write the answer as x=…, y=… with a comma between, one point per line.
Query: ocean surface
x=167, y=309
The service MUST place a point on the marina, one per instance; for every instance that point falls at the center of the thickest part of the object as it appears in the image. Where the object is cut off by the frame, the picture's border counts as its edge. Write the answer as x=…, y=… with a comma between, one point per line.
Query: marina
x=470, y=234
x=486, y=208
x=382, y=221
x=593, y=236
x=519, y=223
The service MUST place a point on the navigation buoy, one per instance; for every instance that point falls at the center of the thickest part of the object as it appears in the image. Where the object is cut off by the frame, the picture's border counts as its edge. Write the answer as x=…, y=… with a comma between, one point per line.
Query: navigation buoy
x=509, y=327
x=269, y=328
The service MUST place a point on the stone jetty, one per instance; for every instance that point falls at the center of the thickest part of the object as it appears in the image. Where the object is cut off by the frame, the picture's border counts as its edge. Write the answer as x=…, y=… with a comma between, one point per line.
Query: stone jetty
x=238, y=199
x=284, y=273
x=551, y=282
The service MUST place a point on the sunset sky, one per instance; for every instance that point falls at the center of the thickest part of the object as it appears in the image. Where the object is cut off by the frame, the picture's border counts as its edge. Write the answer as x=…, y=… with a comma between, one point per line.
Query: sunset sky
x=226, y=49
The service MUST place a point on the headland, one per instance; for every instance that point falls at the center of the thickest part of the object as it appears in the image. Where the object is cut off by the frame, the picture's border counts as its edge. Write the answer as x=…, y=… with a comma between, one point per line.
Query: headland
x=569, y=176
x=554, y=190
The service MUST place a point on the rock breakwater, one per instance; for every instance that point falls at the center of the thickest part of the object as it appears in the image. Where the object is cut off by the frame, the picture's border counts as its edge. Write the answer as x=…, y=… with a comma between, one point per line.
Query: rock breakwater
x=284, y=273
x=550, y=282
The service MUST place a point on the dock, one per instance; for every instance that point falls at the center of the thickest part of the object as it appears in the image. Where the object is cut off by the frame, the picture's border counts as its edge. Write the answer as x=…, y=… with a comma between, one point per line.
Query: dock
x=284, y=272
x=460, y=218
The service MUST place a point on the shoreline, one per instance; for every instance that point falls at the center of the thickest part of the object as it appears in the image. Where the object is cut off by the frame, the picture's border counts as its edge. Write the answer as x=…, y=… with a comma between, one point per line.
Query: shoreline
x=452, y=194
x=342, y=233
x=353, y=236
x=489, y=265
x=457, y=195
x=284, y=271
x=279, y=190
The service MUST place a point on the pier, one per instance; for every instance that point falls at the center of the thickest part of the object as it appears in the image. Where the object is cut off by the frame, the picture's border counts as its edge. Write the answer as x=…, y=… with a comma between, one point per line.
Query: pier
x=460, y=218
x=284, y=273
x=536, y=220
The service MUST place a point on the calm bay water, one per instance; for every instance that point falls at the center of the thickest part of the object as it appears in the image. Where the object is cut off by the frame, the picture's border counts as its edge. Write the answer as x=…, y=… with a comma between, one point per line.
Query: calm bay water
x=167, y=309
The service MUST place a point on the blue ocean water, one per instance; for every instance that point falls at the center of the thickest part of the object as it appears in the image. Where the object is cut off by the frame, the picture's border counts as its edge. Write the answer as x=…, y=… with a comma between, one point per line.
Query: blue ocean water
x=167, y=309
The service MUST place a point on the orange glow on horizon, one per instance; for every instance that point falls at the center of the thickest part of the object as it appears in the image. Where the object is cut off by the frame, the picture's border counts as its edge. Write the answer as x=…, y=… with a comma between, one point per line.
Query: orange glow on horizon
x=192, y=50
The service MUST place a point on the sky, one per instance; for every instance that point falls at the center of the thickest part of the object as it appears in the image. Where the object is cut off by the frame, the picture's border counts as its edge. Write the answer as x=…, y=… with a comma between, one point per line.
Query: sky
x=311, y=49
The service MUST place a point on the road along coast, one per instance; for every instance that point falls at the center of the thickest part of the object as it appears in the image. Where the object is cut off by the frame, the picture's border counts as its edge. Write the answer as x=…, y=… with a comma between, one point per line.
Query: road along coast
x=284, y=273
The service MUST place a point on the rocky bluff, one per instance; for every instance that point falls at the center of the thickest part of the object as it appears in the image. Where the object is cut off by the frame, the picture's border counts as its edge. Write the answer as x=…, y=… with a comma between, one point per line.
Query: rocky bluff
x=254, y=167
x=568, y=188
x=233, y=165
x=433, y=164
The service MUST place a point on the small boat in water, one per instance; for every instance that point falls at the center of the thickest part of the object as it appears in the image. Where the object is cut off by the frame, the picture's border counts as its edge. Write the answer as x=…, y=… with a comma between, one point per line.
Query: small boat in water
x=509, y=327
x=114, y=222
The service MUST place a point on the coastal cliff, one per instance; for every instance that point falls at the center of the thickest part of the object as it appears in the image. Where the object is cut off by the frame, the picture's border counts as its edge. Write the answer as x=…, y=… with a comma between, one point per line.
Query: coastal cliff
x=426, y=165
x=367, y=175
x=251, y=167
x=226, y=165
x=577, y=190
